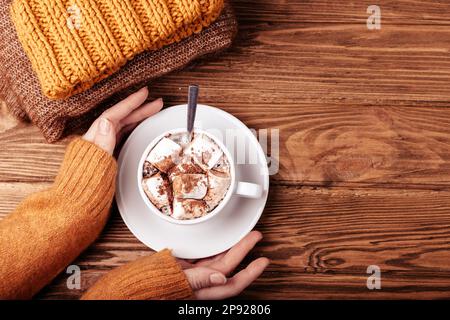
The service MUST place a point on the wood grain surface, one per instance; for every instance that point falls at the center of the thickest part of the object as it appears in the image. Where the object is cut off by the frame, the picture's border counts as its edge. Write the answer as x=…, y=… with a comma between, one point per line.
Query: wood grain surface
x=364, y=168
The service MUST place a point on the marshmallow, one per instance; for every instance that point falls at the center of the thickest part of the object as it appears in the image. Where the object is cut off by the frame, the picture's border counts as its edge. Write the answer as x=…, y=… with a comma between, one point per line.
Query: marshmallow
x=190, y=186
x=185, y=166
x=222, y=165
x=204, y=151
x=165, y=154
x=158, y=191
x=219, y=183
x=180, y=138
x=188, y=209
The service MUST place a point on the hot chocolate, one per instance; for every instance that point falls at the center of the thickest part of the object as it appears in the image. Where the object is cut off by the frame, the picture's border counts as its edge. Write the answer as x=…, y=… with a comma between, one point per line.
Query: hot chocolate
x=186, y=179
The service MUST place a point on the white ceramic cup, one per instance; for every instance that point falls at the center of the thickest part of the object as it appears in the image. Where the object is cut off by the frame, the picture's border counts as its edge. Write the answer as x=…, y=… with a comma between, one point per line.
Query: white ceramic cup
x=237, y=188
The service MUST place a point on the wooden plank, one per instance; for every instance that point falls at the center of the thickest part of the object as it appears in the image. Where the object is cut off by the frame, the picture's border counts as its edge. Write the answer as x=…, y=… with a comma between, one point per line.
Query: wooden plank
x=399, y=12
x=25, y=156
x=345, y=64
x=309, y=286
x=7, y=121
x=320, y=242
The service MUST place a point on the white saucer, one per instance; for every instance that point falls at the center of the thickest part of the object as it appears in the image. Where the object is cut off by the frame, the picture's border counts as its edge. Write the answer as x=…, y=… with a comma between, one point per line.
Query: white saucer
x=201, y=240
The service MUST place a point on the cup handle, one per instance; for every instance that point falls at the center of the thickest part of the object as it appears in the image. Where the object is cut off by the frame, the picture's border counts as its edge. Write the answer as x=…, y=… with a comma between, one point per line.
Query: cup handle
x=248, y=190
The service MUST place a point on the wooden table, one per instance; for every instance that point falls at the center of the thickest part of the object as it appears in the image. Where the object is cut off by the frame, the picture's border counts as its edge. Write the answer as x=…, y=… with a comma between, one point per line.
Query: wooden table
x=364, y=123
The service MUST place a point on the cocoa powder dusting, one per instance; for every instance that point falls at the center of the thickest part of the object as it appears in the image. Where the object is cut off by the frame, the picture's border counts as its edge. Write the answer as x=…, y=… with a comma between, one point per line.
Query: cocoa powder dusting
x=164, y=188
x=189, y=182
x=165, y=164
x=197, y=207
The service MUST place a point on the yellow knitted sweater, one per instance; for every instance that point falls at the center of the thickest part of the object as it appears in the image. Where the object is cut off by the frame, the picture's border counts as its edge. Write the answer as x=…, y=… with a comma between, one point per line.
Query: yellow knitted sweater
x=50, y=229
x=72, y=44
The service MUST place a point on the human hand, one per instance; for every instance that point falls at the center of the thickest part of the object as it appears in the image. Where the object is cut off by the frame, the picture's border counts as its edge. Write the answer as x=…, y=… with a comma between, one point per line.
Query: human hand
x=121, y=118
x=207, y=277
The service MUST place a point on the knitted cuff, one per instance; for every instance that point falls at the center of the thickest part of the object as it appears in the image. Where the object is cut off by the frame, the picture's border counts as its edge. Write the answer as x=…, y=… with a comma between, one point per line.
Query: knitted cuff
x=87, y=175
x=155, y=277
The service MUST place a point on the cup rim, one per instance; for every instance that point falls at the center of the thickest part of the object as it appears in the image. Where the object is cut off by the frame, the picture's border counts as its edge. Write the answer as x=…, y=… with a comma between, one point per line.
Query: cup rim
x=222, y=203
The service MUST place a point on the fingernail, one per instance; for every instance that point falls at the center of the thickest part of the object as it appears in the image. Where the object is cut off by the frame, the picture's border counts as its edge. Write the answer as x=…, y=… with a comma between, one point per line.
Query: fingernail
x=104, y=126
x=217, y=278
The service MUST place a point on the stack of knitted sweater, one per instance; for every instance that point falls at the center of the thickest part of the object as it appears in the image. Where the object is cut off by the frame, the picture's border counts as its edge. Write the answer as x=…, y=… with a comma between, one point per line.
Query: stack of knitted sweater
x=63, y=61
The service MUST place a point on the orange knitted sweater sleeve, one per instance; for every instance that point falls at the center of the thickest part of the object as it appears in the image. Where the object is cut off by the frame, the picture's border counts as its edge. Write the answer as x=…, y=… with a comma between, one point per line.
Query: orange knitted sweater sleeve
x=50, y=229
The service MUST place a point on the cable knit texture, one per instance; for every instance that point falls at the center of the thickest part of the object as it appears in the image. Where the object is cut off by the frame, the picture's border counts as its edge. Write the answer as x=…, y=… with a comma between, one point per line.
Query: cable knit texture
x=73, y=44
x=49, y=229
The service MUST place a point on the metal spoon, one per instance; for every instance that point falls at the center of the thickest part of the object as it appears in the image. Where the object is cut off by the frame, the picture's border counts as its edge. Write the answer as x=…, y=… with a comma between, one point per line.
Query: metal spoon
x=192, y=108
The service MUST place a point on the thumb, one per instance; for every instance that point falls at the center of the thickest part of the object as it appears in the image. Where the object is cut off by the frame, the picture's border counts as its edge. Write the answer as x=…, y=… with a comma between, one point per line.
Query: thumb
x=201, y=277
x=105, y=135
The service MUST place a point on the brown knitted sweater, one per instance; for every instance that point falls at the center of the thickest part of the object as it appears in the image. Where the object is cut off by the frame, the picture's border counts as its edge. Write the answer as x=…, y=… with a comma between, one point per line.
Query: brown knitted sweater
x=50, y=229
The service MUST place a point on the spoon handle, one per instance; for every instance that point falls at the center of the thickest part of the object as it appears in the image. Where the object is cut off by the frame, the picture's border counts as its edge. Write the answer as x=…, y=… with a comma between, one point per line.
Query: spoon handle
x=192, y=107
